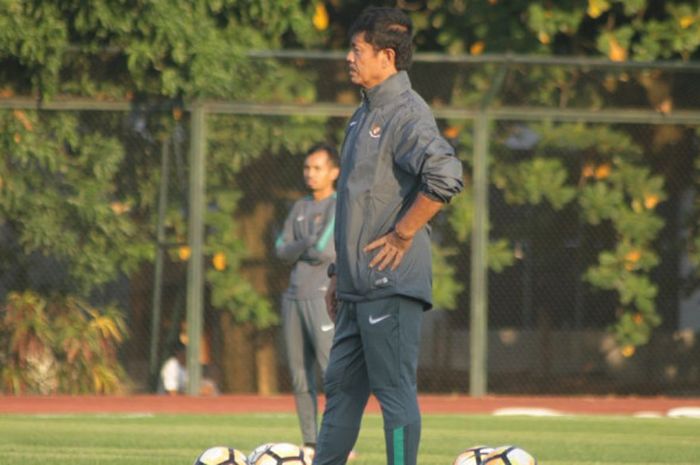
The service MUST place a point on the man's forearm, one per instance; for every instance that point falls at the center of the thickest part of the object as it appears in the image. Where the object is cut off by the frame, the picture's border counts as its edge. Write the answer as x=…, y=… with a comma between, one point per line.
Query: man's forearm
x=419, y=213
x=292, y=251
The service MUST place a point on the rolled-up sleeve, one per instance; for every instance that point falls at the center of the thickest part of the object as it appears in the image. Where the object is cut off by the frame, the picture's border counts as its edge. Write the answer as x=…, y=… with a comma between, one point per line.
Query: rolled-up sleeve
x=421, y=150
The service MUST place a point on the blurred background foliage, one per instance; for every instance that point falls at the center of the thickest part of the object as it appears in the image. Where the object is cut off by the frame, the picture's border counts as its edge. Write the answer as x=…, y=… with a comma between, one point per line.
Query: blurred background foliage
x=60, y=344
x=73, y=194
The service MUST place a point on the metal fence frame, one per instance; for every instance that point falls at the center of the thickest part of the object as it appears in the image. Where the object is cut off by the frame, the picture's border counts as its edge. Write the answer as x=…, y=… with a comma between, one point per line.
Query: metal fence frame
x=482, y=116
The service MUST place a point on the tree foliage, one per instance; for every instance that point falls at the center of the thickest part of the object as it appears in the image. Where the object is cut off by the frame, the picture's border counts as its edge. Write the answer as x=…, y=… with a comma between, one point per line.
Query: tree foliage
x=72, y=194
x=237, y=142
x=76, y=191
x=636, y=29
x=598, y=174
x=179, y=48
x=59, y=201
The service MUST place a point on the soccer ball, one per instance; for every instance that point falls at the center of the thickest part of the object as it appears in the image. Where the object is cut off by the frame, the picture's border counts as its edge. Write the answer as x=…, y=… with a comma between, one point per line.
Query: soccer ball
x=258, y=451
x=280, y=453
x=473, y=456
x=509, y=455
x=221, y=456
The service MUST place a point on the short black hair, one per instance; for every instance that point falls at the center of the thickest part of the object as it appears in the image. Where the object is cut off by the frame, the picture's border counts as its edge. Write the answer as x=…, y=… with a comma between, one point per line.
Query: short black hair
x=386, y=27
x=178, y=347
x=329, y=149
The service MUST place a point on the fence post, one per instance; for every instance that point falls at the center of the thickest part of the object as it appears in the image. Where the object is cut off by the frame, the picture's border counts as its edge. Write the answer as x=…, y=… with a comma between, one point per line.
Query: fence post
x=478, y=328
x=195, y=270
x=479, y=270
x=153, y=360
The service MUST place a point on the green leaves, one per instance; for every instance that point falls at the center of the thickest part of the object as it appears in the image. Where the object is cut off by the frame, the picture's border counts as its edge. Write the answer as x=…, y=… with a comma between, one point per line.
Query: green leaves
x=461, y=214
x=594, y=173
x=619, y=30
x=547, y=22
x=60, y=197
x=446, y=286
x=230, y=290
x=678, y=34
x=625, y=195
x=523, y=182
x=174, y=48
x=599, y=202
x=34, y=34
x=500, y=255
x=76, y=196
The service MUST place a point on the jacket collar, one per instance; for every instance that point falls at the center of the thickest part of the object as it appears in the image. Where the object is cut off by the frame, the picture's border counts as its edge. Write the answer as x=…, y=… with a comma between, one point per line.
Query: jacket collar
x=387, y=90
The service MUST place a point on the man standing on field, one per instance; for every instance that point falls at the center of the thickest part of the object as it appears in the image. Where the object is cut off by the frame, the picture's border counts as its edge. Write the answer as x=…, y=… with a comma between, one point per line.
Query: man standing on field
x=307, y=242
x=396, y=173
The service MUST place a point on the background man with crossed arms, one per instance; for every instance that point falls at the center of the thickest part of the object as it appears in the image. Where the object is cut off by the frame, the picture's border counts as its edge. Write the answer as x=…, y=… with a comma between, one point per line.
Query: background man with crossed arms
x=307, y=242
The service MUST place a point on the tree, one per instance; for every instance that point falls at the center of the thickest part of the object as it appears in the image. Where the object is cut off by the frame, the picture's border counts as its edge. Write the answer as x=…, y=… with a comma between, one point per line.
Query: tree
x=75, y=194
x=612, y=188
x=80, y=190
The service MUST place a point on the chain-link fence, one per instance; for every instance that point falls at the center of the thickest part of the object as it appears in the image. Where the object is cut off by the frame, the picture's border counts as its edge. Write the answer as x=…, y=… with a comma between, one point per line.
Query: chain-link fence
x=580, y=194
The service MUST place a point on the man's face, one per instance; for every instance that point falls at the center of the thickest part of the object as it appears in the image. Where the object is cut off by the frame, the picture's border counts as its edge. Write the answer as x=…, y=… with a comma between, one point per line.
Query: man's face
x=319, y=172
x=368, y=67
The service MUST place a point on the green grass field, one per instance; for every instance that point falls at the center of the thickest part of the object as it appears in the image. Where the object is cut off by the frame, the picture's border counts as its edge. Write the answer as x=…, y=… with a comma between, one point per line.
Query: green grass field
x=123, y=439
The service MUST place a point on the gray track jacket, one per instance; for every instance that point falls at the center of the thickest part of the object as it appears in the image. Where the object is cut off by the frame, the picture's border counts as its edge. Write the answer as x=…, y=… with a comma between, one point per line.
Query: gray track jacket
x=391, y=152
x=306, y=242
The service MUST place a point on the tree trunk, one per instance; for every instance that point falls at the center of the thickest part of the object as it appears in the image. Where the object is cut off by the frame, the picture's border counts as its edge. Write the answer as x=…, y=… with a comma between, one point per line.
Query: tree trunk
x=266, y=363
x=238, y=367
x=265, y=356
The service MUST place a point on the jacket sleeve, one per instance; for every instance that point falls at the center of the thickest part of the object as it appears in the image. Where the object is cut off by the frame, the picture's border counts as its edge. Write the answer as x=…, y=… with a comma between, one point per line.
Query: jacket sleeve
x=287, y=247
x=323, y=250
x=420, y=150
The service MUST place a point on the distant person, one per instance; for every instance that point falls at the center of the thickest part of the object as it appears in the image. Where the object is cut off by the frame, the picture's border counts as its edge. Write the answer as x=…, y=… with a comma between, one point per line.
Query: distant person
x=173, y=373
x=396, y=173
x=306, y=242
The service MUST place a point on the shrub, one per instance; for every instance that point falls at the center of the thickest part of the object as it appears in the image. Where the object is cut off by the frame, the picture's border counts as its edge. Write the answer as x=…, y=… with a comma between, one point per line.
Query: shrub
x=59, y=345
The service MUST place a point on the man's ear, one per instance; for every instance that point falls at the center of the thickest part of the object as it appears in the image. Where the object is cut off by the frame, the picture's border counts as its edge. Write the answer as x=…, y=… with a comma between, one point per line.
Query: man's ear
x=335, y=172
x=390, y=55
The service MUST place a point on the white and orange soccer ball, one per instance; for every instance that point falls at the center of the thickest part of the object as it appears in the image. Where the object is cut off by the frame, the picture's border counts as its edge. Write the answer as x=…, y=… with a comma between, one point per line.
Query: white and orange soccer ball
x=221, y=455
x=280, y=453
x=509, y=455
x=473, y=455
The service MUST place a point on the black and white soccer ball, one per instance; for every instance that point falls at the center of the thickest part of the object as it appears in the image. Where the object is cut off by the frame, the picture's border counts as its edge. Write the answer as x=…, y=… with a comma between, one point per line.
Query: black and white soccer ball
x=474, y=455
x=279, y=453
x=221, y=455
x=509, y=455
x=258, y=451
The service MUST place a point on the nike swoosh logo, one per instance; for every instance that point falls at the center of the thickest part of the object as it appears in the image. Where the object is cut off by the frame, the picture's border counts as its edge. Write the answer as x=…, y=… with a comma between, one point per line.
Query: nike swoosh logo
x=374, y=321
x=326, y=328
